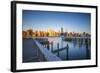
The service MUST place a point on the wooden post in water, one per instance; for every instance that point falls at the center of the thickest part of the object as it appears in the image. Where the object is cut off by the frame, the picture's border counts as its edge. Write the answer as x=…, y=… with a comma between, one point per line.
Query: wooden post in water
x=87, y=49
x=52, y=46
x=48, y=47
x=58, y=48
x=67, y=50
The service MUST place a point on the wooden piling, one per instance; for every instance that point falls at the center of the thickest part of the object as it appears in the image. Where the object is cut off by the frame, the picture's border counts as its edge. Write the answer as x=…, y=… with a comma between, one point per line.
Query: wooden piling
x=58, y=48
x=67, y=50
x=48, y=47
x=52, y=46
x=87, y=49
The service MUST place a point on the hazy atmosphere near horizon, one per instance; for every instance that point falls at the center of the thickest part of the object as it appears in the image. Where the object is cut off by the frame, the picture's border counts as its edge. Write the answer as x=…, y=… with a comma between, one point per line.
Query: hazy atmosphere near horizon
x=44, y=20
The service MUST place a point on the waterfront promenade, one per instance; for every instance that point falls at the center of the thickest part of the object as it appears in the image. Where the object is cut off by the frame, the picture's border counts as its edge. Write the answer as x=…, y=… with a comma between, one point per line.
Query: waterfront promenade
x=33, y=51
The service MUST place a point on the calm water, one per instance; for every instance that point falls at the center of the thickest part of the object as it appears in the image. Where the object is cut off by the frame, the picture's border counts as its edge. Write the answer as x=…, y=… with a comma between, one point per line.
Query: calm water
x=77, y=49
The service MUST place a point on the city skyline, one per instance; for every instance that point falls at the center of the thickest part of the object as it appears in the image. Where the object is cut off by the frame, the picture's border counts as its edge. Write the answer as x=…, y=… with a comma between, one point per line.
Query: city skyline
x=45, y=20
x=52, y=33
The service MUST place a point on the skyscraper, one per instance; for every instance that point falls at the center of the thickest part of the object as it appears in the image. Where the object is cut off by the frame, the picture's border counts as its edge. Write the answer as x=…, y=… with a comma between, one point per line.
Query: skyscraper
x=61, y=31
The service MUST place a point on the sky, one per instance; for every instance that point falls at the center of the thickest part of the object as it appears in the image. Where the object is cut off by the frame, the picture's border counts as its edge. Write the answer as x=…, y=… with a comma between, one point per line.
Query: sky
x=44, y=20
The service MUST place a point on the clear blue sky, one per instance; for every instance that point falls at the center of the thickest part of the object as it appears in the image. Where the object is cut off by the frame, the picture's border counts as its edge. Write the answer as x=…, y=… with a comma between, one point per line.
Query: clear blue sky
x=43, y=20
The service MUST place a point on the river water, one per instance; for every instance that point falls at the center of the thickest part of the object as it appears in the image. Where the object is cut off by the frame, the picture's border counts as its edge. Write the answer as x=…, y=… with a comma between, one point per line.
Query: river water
x=77, y=49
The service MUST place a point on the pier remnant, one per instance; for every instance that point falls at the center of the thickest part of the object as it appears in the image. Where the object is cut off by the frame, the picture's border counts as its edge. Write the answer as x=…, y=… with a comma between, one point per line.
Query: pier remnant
x=67, y=50
x=52, y=46
x=58, y=48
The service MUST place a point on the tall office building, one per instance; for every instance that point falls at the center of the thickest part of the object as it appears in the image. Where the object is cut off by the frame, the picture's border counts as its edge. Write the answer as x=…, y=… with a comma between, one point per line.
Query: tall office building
x=61, y=31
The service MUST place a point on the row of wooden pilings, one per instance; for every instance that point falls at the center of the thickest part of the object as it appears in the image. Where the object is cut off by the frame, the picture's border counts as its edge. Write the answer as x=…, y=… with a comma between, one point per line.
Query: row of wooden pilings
x=58, y=49
x=50, y=46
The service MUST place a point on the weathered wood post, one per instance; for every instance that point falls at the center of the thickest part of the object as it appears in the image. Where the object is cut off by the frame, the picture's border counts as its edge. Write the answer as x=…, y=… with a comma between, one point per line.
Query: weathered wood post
x=67, y=50
x=48, y=47
x=52, y=46
x=58, y=48
x=87, y=49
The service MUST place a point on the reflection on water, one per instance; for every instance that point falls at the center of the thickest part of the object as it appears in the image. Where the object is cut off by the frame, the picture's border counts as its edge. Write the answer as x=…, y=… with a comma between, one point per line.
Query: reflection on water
x=73, y=49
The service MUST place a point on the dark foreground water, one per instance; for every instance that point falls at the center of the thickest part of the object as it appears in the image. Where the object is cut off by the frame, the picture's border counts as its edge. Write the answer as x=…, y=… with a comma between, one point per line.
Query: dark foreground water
x=77, y=49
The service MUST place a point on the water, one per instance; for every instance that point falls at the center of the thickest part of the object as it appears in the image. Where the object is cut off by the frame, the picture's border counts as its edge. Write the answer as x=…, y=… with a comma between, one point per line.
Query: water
x=78, y=49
